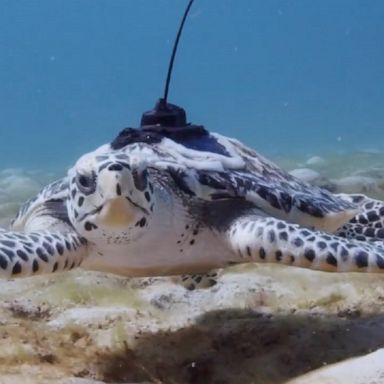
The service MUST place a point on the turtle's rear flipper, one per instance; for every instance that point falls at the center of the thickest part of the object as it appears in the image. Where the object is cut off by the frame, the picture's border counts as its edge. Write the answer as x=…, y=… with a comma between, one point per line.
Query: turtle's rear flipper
x=39, y=252
x=263, y=239
x=368, y=225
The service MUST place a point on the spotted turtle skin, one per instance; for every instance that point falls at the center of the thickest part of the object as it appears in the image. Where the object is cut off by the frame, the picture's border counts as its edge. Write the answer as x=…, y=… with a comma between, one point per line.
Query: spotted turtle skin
x=156, y=202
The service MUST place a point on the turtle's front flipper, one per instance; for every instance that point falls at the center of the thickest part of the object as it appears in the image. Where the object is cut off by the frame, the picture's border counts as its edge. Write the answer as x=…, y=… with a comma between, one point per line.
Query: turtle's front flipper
x=41, y=240
x=32, y=253
x=264, y=239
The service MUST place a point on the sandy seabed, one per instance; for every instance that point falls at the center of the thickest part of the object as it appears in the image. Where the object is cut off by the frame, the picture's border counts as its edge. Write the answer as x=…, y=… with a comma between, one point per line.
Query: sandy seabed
x=260, y=324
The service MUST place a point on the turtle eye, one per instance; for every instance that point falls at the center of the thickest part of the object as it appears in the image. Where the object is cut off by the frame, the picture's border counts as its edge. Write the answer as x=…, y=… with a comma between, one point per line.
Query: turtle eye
x=86, y=183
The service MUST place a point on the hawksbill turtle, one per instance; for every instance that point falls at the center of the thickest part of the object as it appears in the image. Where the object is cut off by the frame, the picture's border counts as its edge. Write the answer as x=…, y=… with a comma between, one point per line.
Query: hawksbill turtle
x=154, y=204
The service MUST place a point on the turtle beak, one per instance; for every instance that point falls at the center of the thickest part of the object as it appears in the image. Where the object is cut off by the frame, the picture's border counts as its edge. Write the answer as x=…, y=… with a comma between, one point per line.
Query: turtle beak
x=118, y=209
x=117, y=212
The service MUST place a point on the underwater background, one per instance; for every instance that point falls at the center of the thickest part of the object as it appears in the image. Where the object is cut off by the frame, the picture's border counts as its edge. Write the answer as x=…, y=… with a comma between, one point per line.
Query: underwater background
x=287, y=77
x=300, y=81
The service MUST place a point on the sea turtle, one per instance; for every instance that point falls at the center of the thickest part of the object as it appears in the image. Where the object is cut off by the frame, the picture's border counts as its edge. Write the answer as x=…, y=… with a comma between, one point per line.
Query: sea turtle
x=161, y=204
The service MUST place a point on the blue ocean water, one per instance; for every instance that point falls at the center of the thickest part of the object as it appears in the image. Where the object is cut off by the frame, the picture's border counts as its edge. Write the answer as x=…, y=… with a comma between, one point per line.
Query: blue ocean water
x=285, y=76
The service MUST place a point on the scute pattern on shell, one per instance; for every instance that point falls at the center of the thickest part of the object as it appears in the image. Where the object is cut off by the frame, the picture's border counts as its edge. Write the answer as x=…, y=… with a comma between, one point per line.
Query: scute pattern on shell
x=243, y=173
x=55, y=191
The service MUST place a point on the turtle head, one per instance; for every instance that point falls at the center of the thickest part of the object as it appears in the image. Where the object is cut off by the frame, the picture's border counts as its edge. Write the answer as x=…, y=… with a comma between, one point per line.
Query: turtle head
x=110, y=197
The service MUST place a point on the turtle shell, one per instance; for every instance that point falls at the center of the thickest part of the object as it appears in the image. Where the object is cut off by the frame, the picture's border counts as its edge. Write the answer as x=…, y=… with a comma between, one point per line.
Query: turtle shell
x=210, y=166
